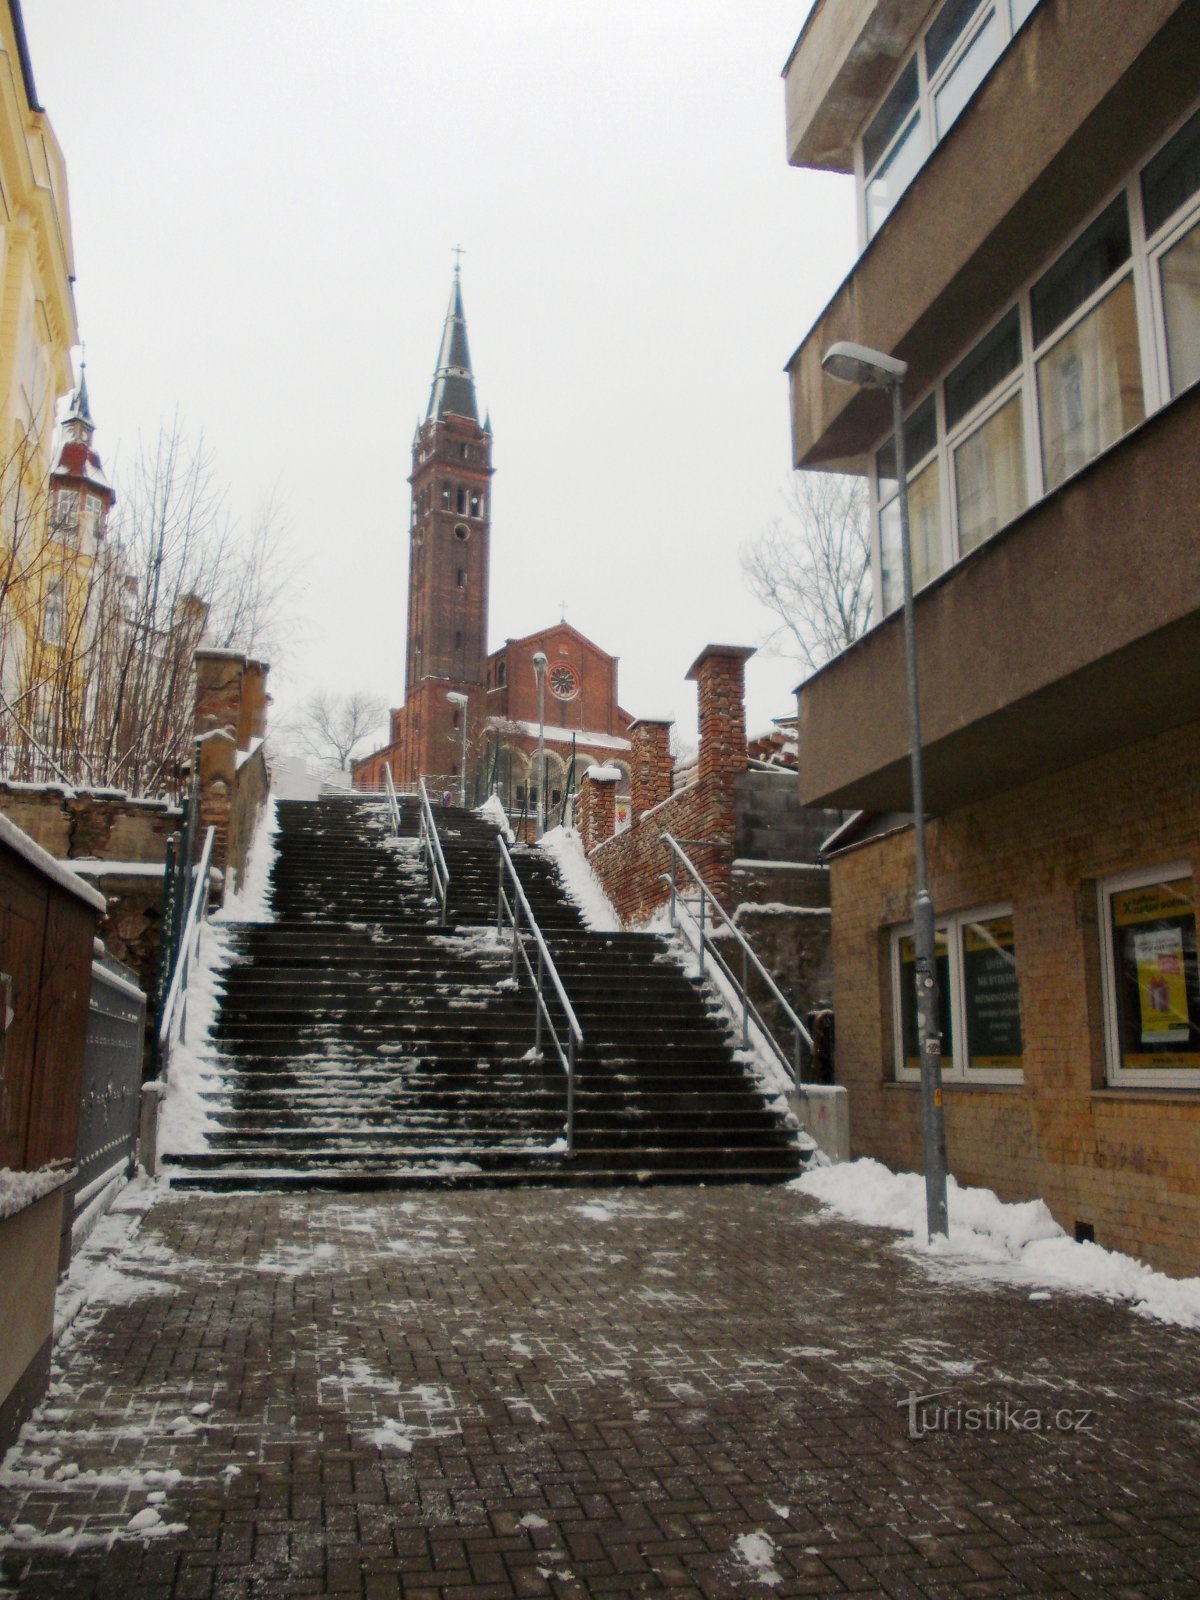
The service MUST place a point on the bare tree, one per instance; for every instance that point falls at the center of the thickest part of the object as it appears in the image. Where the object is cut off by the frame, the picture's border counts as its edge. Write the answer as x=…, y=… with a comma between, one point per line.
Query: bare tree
x=331, y=726
x=103, y=692
x=813, y=570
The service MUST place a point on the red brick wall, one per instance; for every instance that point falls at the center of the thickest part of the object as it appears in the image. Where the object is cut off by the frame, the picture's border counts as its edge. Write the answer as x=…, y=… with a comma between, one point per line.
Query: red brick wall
x=651, y=765
x=1126, y=1160
x=597, y=810
x=630, y=866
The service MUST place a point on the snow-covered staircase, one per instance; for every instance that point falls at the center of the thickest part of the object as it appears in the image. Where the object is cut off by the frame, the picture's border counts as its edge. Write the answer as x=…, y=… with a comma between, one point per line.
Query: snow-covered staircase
x=360, y=1045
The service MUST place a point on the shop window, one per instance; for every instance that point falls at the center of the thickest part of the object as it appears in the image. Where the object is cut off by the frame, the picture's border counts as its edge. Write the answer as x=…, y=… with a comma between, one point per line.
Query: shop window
x=1151, y=980
x=979, y=1014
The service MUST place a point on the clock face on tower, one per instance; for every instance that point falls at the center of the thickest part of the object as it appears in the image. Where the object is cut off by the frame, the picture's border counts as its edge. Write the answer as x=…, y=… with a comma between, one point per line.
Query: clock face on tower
x=564, y=682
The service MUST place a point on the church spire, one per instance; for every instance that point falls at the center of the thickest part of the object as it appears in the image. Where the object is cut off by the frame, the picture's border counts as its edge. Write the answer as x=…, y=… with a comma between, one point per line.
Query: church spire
x=79, y=411
x=453, y=391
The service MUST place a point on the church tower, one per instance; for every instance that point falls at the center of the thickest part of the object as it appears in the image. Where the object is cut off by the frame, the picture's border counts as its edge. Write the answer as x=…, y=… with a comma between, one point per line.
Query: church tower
x=449, y=540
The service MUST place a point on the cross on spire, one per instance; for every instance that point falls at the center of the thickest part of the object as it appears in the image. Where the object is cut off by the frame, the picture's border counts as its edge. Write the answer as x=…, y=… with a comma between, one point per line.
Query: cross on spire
x=457, y=251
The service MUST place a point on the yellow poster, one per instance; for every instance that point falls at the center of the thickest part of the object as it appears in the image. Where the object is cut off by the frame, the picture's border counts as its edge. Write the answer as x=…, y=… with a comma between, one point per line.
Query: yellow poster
x=1162, y=986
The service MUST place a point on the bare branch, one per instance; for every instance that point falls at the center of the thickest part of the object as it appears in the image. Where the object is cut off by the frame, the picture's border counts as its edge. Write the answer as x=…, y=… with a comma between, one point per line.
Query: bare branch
x=814, y=570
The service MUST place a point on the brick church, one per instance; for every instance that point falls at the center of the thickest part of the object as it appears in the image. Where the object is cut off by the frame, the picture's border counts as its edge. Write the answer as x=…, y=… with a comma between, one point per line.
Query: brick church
x=446, y=654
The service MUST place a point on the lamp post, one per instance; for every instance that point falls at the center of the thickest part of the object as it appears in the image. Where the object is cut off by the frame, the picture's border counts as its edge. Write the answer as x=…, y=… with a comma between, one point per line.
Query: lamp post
x=461, y=701
x=539, y=672
x=871, y=369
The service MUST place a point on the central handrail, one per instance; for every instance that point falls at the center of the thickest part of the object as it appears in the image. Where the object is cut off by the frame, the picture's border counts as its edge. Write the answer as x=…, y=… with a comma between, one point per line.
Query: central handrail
x=174, y=1013
x=710, y=909
x=512, y=911
x=389, y=789
x=435, y=860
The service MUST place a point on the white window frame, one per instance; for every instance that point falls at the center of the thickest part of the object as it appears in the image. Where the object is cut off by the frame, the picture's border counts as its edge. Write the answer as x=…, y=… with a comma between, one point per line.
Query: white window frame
x=1142, y=267
x=954, y=1059
x=1118, y=1076
x=924, y=112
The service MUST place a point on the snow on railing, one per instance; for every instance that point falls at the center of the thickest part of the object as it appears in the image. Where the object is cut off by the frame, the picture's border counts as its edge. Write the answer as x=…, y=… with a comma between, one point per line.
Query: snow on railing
x=174, y=1013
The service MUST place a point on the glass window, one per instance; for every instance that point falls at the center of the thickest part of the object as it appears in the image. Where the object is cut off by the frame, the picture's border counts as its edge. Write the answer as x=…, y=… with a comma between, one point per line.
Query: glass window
x=920, y=440
x=946, y=29
x=994, y=358
x=979, y=1001
x=968, y=73
x=911, y=1054
x=897, y=172
x=991, y=1001
x=1172, y=177
x=1152, y=977
x=1090, y=386
x=1100, y=251
x=989, y=475
x=925, y=534
x=1179, y=270
x=891, y=116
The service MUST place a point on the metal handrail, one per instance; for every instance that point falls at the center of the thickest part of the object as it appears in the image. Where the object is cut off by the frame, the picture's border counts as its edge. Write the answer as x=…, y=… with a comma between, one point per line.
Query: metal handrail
x=435, y=860
x=513, y=910
x=389, y=789
x=710, y=909
x=175, y=1006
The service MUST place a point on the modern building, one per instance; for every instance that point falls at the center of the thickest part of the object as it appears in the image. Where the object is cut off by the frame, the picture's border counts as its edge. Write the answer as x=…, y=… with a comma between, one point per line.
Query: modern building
x=449, y=674
x=1027, y=178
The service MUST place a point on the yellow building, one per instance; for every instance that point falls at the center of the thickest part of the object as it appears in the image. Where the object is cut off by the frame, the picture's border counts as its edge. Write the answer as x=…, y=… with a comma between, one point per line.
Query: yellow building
x=37, y=331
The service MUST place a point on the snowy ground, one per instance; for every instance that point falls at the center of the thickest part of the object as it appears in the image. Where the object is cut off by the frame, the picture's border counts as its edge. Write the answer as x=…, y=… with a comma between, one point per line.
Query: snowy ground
x=705, y=1390
x=1015, y=1243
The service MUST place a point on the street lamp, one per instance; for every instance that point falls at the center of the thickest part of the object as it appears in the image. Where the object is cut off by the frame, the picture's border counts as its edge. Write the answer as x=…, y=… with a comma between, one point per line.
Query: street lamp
x=539, y=672
x=461, y=701
x=871, y=369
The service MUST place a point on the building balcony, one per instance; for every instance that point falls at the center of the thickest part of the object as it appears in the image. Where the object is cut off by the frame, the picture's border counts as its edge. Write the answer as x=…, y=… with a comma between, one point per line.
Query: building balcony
x=1079, y=93
x=1074, y=631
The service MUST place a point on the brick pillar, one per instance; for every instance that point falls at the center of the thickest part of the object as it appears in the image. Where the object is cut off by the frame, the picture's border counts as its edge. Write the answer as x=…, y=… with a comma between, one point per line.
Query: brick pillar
x=597, y=806
x=651, y=765
x=719, y=673
x=219, y=677
x=218, y=775
x=253, y=721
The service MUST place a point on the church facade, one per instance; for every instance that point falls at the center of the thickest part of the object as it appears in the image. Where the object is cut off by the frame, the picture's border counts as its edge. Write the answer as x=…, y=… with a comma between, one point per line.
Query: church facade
x=449, y=674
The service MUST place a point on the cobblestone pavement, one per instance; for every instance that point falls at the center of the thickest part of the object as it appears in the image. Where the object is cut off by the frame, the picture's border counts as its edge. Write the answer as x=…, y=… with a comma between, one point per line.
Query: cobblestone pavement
x=571, y=1393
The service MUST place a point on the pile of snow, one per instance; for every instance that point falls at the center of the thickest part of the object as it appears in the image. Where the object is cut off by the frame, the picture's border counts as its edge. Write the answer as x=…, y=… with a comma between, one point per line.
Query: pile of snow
x=251, y=901
x=580, y=882
x=185, y=1120
x=21, y=1189
x=1018, y=1242
x=757, y=1551
x=492, y=810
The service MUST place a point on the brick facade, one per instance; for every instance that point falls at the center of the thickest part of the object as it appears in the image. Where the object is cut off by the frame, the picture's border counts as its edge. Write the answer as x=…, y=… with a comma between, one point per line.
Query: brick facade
x=231, y=703
x=596, y=814
x=702, y=817
x=651, y=765
x=1125, y=1160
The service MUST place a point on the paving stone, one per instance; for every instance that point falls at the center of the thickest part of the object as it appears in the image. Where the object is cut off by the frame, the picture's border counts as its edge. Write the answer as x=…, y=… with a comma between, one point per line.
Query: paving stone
x=497, y=1393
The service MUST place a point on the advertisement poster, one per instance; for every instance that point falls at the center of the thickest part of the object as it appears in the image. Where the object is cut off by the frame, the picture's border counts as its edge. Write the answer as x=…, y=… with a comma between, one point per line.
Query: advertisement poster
x=1154, y=950
x=991, y=994
x=1162, y=990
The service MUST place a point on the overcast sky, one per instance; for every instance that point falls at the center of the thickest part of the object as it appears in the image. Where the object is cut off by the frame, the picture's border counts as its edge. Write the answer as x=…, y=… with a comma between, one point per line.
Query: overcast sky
x=264, y=198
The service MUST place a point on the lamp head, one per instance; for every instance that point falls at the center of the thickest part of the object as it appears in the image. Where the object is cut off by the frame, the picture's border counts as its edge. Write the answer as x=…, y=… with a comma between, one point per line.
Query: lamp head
x=539, y=662
x=859, y=364
x=456, y=699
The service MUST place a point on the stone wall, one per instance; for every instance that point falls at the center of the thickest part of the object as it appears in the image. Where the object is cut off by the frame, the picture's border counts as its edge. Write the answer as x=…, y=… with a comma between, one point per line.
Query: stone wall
x=1124, y=1160
x=230, y=725
x=75, y=823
